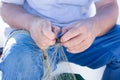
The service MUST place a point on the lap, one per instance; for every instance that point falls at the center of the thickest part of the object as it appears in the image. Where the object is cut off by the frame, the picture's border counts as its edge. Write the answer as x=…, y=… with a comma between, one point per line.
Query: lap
x=22, y=55
x=103, y=50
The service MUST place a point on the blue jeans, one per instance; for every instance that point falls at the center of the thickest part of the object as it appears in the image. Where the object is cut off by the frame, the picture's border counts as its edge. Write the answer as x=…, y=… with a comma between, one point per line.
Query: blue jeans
x=21, y=59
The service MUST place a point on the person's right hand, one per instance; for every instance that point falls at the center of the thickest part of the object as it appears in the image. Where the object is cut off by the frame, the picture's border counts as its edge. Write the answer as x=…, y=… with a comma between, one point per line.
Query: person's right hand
x=43, y=33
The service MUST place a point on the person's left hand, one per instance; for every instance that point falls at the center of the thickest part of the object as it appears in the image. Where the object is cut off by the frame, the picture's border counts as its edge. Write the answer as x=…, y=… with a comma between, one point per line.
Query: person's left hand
x=79, y=36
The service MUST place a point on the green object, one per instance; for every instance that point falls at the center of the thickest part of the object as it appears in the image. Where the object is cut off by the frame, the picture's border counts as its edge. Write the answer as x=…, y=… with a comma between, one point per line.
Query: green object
x=1, y=49
x=79, y=77
x=69, y=76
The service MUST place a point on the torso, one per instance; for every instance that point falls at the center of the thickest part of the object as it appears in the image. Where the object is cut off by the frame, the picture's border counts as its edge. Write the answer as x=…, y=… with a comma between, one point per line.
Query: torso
x=61, y=11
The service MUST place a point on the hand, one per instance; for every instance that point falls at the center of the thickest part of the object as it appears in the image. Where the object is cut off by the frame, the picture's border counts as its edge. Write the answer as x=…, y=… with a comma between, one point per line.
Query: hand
x=43, y=33
x=79, y=36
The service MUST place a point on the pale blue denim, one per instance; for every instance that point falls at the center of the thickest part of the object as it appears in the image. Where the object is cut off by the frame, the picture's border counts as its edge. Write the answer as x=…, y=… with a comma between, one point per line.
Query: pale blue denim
x=22, y=59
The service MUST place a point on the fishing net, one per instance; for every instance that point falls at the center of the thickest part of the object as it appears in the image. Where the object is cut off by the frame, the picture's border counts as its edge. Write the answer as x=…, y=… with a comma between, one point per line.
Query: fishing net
x=1, y=50
x=55, y=64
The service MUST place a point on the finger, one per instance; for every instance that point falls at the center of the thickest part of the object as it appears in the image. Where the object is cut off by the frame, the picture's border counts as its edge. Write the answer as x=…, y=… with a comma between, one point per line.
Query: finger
x=47, y=31
x=75, y=41
x=65, y=29
x=42, y=41
x=73, y=32
x=46, y=41
x=36, y=35
x=56, y=29
x=80, y=47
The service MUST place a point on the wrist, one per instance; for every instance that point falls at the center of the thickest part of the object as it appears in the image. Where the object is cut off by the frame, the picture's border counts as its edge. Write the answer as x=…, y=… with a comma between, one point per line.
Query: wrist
x=29, y=21
x=99, y=27
x=95, y=26
x=34, y=23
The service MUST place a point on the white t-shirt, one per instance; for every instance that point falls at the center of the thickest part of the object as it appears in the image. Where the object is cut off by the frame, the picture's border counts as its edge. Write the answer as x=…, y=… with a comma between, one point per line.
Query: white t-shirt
x=59, y=12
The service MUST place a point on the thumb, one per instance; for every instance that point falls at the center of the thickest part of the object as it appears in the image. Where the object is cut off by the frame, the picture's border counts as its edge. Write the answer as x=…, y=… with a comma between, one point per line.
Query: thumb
x=56, y=29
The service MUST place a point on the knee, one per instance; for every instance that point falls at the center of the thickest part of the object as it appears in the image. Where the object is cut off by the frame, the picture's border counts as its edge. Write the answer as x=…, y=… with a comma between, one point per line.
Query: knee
x=112, y=71
x=21, y=56
x=23, y=63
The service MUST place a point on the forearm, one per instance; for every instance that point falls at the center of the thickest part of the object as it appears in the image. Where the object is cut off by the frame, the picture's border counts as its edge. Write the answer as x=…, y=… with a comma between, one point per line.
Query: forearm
x=105, y=18
x=16, y=16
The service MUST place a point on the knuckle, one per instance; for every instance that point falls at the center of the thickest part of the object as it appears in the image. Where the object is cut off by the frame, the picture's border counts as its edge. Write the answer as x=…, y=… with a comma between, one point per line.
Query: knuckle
x=44, y=46
x=45, y=32
x=83, y=29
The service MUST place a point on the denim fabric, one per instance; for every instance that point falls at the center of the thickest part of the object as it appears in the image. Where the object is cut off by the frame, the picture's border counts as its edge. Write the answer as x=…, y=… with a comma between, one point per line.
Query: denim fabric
x=22, y=59
x=104, y=51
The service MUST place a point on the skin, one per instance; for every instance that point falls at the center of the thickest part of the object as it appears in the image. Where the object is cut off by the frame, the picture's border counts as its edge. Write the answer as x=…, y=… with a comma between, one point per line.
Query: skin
x=77, y=37
x=42, y=31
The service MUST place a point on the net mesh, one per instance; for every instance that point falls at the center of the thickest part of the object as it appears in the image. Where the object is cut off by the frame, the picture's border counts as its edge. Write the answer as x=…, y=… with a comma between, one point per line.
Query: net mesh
x=52, y=59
